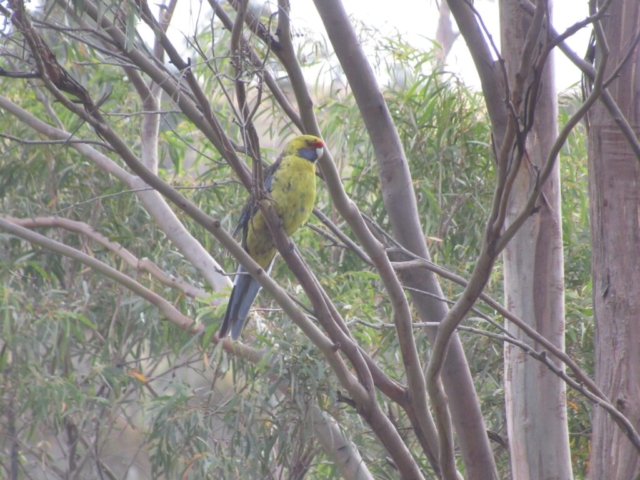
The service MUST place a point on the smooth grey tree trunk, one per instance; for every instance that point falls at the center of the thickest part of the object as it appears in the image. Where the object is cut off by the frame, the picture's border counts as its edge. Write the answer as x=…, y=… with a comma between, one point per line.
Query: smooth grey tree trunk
x=614, y=191
x=534, y=288
x=399, y=199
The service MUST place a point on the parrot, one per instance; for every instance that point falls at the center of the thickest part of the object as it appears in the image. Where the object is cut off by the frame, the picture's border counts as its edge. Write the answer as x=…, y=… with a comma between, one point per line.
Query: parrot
x=291, y=184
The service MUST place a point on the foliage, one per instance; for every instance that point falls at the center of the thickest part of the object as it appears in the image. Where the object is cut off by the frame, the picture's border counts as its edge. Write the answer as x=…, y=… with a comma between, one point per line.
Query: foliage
x=579, y=308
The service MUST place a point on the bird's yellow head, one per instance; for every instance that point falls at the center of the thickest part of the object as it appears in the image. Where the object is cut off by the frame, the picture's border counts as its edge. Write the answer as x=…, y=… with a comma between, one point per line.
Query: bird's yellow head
x=305, y=146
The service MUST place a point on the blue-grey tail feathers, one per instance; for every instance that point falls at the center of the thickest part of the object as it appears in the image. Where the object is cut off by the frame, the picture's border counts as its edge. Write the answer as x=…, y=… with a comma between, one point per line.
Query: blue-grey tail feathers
x=245, y=290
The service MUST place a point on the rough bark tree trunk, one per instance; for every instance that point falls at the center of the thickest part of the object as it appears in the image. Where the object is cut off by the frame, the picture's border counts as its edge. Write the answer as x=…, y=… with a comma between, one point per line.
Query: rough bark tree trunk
x=614, y=191
x=534, y=289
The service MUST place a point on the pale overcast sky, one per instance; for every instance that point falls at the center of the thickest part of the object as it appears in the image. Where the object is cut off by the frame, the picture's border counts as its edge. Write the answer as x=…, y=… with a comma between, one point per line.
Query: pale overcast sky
x=418, y=19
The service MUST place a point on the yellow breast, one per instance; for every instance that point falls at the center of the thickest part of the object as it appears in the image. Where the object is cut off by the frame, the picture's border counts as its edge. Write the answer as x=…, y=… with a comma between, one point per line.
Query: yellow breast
x=293, y=191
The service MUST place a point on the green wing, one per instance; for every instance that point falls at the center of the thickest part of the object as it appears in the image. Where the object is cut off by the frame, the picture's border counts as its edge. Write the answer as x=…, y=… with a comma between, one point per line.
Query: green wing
x=250, y=207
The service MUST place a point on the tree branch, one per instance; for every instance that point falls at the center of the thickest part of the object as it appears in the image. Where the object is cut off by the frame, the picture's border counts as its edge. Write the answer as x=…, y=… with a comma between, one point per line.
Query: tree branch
x=170, y=312
x=137, y=264
x=155, y=205
x=491, y=79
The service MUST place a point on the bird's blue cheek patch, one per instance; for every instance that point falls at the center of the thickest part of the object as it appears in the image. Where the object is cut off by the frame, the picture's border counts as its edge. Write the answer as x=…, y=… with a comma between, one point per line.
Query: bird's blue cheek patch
x=308, y=153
